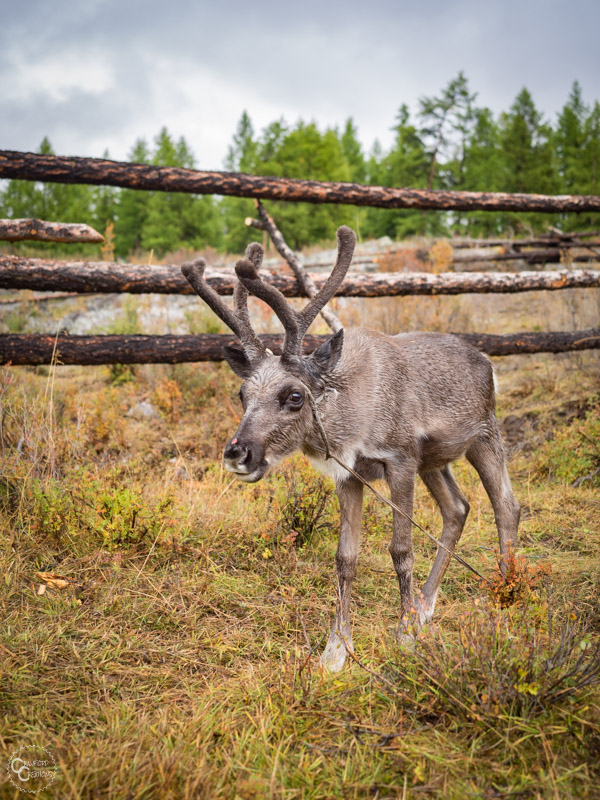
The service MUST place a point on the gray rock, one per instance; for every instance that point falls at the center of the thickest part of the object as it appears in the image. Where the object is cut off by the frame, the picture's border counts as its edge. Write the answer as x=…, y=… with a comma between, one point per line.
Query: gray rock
x=143, y=410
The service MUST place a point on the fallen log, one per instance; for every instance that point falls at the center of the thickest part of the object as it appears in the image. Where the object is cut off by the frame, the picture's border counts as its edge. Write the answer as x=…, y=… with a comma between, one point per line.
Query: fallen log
x=35, y=349
x=20, y=230
x=549, y=255
x=102, y=171
x=558, y=239
x=19, y=272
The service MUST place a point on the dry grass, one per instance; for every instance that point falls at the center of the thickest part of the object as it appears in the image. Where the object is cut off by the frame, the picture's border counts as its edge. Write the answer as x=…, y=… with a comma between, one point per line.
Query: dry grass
x=179, y=655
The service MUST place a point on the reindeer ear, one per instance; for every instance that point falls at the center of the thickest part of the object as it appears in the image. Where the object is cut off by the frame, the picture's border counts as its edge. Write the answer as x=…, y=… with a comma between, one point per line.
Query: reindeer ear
x=327, y=355
x=237, y=360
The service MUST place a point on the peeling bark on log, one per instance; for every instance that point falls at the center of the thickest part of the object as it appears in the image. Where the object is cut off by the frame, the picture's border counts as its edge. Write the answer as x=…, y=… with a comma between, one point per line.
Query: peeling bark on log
x=33, y=349
x=20, y=230
x=40, y=274
x=99, y=171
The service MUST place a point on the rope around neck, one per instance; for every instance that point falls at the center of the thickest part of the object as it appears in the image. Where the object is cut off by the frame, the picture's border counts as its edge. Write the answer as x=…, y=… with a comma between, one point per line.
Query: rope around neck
x=329, y=454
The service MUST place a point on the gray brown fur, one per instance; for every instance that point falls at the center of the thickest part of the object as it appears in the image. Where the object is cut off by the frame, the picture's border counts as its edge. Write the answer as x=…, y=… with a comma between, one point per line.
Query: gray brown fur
x=393, y=407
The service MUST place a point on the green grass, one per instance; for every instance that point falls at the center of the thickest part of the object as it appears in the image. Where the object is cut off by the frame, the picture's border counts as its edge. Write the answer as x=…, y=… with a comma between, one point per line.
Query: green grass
x=180, y=656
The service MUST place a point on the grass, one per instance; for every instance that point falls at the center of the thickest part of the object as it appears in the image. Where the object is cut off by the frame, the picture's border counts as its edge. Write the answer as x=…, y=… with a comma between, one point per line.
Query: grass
x=173, y=651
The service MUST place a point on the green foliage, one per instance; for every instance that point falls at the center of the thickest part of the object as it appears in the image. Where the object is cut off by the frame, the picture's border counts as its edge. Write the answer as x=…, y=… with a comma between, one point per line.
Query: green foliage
x=529, y=162
x=123, y=518
x=405, y=165
x=447, y=121
x=573, y=454
x=305, y=510
x=117, y=516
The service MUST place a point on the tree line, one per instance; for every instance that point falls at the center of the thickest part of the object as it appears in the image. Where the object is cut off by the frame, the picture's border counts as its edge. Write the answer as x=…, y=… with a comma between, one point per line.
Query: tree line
x=450, y=143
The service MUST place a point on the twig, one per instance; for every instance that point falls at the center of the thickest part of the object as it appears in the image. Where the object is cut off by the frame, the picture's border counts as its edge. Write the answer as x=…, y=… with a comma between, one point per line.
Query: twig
x=584, y=478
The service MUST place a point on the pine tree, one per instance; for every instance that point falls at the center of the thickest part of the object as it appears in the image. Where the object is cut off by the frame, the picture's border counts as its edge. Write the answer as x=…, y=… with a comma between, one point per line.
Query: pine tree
x=241, y=155
x=105, y=204
x=132, y=207
x=353, y=153
x=569, y=140
x=306, y=153
x=406, y=165
x=483, y=172
x=590, y=166
x=529, y=157
x=176, y=220
x=447, y=122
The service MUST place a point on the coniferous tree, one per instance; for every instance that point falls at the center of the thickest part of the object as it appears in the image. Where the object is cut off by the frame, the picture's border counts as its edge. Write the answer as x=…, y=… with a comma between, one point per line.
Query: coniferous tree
x=405, y=165
x=132, y=207
x=353, y=153
x=590, y=160
x=529, y=157
x=483, y=172
x=105, y=204
x=241, y=157
x=304, y=152
x=357, y=169
x=447, y=121
x=54, y=202
x=569, y=140
x=174, y=219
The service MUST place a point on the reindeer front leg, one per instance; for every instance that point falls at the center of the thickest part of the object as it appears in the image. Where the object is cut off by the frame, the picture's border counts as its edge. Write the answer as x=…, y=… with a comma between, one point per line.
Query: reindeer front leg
x=350, y=494
x=401, y=478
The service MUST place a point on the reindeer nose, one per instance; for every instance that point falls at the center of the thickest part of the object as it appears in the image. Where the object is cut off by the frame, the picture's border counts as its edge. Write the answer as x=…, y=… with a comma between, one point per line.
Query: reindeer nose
x=236, y=453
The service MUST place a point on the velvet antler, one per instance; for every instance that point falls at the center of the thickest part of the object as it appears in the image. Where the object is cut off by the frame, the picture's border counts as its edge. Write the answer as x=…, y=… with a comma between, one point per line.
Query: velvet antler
x=296, y=324
x=238, y=319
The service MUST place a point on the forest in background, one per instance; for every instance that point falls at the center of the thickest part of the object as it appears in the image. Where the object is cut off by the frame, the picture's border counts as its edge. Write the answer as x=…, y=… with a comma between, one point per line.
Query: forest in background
x=451, y=143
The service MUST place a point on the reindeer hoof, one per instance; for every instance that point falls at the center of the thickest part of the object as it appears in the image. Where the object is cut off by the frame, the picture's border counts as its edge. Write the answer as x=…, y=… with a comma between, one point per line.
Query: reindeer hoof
x=335, y=653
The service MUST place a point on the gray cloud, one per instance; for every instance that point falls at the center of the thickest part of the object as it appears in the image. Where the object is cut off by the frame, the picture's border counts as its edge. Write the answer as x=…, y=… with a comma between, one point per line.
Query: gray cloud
x=99, y=74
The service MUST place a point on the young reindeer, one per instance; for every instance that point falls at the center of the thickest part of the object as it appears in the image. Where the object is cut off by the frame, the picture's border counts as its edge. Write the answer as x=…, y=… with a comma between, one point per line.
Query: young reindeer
x=392, y=407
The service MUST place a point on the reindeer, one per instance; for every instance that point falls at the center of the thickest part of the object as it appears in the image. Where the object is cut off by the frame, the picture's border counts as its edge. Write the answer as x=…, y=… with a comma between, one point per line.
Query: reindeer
x=391, y=407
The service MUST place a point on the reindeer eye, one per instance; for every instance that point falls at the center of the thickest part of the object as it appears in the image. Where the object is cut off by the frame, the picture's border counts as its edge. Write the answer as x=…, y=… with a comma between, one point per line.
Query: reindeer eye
x=296, y=399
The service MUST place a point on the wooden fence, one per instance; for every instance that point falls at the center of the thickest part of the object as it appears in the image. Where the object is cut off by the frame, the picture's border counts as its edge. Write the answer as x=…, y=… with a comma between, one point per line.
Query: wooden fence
x=70, y=276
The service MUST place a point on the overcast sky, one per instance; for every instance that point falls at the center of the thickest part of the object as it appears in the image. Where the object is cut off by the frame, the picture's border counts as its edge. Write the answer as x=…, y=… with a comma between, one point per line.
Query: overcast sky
x=97, y=74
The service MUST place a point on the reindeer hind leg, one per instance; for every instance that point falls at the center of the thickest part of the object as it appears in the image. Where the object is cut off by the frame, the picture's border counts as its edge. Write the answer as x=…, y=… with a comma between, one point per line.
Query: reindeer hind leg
x=488, y=457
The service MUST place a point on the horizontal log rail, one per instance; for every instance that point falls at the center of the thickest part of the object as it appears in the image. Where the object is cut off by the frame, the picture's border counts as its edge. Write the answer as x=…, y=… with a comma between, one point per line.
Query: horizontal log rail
x=35, y=349
x=39, y=274
x=555, y=238
x=547, y=255
x=38, y=230
x=101, y=171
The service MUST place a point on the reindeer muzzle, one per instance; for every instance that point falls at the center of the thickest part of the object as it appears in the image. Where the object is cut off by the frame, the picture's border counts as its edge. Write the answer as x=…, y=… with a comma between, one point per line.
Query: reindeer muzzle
x=245, y=459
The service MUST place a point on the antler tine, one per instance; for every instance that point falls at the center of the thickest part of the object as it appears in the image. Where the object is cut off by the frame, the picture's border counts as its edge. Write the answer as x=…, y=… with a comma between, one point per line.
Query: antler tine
x=254, y=253
x=246, y=272
x=346, y=241
x=238, y=322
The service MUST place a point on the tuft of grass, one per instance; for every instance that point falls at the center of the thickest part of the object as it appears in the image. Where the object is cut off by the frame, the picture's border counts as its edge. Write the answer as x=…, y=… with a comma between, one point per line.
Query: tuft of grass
x=506, y=664
x=305, y=508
